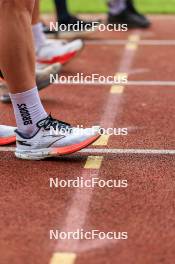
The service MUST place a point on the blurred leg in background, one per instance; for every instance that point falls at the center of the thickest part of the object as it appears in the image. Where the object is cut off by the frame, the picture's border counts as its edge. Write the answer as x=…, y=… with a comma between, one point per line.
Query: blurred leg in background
x=67, y=20
x=62, y=12
x=124, y=12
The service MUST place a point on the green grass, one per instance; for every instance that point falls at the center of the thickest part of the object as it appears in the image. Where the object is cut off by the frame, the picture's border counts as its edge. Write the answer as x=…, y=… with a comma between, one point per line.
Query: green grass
x=99, y=6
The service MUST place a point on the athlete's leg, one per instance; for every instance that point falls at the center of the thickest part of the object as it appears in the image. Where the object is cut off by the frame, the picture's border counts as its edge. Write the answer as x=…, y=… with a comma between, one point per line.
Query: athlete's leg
x=42, y=76
x=16, y=46
x=54, y=51
x=34, y=140
x=17, y=62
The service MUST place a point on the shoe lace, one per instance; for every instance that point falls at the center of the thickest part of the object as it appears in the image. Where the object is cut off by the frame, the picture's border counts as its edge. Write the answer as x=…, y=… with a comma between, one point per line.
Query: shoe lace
x=49, y=122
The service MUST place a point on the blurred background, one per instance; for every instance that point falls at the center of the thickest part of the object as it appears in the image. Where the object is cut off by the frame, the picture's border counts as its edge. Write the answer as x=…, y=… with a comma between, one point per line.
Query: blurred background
x=99, y=6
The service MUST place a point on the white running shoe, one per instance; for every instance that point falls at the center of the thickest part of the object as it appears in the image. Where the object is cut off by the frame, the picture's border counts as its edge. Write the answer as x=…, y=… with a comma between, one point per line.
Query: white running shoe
x=54, y=51
x=7, y=135
x=54, y=138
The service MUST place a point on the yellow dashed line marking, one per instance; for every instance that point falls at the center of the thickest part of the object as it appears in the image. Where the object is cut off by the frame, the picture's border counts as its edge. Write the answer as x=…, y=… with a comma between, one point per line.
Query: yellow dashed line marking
x=117, y=89
x=133, y=42
x=63, y=258
x=93, y=162
x=134, y=38
x=131, y=46
x=102, y=141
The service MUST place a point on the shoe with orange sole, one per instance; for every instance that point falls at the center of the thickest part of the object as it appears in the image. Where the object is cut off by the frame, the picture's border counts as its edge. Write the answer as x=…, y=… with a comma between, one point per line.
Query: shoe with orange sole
x=54, y=138
x=7, y=135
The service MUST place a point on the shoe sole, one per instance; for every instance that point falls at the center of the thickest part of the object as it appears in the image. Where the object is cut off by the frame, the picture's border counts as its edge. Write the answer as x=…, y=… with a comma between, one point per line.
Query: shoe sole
x=55, y=152
x=62, y=59
x=7, y=140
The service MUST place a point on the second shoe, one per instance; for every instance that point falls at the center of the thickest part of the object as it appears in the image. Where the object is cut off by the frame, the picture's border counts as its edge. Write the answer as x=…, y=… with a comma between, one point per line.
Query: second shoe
x=56, y=51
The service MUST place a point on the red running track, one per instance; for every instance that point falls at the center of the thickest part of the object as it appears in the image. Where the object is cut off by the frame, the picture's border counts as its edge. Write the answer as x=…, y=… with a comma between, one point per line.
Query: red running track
x=145, y=209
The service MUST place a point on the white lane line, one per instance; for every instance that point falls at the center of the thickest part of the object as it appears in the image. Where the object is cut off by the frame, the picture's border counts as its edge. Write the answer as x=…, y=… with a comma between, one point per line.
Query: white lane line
x=113, y=42
x=7, y=149
x=129, y=151
x=151, y=83
x=129, y=83
x=102, y=151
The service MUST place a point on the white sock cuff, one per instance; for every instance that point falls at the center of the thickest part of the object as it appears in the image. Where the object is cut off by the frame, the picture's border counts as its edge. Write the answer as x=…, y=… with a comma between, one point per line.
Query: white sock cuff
x=28, y=110
x=23, y=94
x=39, y=36
x=37, y=27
